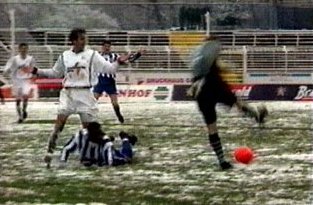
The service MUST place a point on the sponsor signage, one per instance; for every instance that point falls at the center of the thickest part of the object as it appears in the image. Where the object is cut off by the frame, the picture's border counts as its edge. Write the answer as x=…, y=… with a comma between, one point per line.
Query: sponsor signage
x=163, y=78
x=300, y=92
x=280, y=78
x=142, y=93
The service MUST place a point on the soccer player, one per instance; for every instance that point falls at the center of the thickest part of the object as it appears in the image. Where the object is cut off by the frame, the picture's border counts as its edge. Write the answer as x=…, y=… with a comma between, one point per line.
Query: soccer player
x=96, y=148
x=115, y=157
x=78, y=67
x=107, y=82
x=209, y=88
x=88, y=143
x=21, y=80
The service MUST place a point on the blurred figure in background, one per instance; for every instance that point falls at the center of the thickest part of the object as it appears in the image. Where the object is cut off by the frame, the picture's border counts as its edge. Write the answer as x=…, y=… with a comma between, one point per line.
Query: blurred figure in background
x=21, y=80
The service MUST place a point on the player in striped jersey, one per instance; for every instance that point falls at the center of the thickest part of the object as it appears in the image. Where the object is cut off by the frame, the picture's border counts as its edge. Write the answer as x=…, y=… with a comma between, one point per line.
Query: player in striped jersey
x=21, y=80
x=107, y=81
x=88, y=143
x=96, y=148
x=115, y=157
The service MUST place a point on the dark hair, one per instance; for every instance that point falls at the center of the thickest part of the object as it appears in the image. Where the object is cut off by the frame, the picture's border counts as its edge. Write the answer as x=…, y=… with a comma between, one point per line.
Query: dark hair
x=23, y=45
x=106, y=42
x=75, y=33
x=95, y=132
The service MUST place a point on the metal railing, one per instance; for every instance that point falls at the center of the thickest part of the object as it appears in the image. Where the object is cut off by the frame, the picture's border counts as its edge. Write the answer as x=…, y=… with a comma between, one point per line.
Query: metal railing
x=163, y=38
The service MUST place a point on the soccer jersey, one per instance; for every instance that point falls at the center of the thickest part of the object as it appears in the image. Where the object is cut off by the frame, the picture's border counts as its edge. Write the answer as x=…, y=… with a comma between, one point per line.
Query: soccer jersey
x=87, y=150
x=15, y=66
x=111, y=57
x=79, y=69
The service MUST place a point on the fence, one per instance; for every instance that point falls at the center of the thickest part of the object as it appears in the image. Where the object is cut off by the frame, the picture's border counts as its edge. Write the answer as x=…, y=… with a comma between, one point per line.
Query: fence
x=169, y=52
x=161, y=38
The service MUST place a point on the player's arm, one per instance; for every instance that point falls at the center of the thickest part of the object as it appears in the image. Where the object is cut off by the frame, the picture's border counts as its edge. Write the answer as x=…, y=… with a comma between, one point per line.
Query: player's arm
x=32, y=62
x=133, y=57
x=9, y=66
x=103, y=66
x=70, y=147
x=108, y=153
x=57, y=71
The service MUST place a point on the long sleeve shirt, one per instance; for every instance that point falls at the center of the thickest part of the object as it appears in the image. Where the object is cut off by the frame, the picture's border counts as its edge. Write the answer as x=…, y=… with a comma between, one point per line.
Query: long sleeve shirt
x=15, y=65
x=79, y=69
x=87, y=150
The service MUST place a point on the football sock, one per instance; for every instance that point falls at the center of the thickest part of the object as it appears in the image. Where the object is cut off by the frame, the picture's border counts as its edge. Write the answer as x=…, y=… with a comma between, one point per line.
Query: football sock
x=217, y=147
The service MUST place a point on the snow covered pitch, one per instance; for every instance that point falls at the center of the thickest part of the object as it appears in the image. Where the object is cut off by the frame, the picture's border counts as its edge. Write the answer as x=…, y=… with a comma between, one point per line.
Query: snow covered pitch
x=173, y=162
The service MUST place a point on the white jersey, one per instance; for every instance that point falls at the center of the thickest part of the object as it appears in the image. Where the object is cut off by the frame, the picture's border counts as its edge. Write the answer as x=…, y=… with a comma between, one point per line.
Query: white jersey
x=15, y=64
x=79, y=69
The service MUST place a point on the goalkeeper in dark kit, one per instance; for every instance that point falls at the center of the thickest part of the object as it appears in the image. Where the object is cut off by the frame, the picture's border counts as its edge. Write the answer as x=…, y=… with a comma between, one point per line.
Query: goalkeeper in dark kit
x=209, y=88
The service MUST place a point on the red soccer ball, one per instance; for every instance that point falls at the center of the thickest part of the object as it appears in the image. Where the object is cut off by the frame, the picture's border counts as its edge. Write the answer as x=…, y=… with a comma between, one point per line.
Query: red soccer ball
x=243, y=155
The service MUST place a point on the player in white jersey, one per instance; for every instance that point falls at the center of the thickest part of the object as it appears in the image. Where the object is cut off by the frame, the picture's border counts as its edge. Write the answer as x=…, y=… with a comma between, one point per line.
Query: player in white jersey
x=78, y=67
x=21, y=80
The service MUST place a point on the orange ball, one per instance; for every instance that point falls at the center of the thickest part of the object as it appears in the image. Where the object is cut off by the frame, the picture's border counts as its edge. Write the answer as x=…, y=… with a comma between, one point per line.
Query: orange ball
x=243, y=155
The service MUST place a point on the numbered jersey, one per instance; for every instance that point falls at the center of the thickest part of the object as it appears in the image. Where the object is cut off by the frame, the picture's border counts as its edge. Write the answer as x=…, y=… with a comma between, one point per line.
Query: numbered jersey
x=16, y=64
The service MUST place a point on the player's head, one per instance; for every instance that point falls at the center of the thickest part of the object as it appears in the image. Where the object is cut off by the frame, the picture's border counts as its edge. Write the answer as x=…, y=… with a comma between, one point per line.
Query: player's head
x=23, y=49
x=106, y=46
x=78, y=38
x=94, y=131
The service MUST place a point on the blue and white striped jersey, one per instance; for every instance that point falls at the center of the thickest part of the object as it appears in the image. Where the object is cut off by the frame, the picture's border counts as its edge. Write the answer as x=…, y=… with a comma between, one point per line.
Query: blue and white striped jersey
x=80, y=142
x=114, y=157
x=111, y=57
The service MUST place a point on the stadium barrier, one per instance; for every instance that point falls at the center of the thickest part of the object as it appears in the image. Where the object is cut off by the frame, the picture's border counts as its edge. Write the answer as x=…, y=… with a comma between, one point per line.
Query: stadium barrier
x=273, y=92
x=177, y=92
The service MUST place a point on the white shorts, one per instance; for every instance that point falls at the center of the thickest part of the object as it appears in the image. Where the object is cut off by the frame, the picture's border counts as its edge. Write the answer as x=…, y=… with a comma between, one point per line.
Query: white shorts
x=21, y=88
x=78, y=101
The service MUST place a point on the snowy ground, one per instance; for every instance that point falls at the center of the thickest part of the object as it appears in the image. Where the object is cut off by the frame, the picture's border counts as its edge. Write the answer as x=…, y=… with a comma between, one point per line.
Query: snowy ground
x=173, y=163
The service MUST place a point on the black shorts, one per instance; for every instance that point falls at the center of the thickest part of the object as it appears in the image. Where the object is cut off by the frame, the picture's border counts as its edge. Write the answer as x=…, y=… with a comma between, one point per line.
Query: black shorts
x=215, y=90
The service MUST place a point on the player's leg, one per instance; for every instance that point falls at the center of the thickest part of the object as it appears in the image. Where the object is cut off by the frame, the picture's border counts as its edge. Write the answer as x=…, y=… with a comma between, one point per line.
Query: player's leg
x=207, y=98
x=116, y=107
x=97, y=91
x=228, y=98
x=58, y=128
x=209, y=114
x=97, y=95
x=26, y=94
x=87, y=108
x=1, y=97
x=17, y=92
x=25, y=104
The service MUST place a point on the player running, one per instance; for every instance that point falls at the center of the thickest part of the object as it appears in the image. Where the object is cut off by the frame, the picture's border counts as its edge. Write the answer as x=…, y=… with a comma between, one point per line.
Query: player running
x=21, y=80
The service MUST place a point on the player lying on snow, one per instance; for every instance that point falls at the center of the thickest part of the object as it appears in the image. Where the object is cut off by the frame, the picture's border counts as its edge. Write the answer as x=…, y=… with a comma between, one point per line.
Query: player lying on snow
x=96, y=148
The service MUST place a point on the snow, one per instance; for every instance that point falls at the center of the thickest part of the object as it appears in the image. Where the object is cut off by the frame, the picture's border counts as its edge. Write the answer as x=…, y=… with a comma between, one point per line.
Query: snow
x=182, y=167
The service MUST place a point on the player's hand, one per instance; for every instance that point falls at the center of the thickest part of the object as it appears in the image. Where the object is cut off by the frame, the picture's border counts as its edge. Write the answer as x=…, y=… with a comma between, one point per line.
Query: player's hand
x=142, y=51
x=123, y=58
